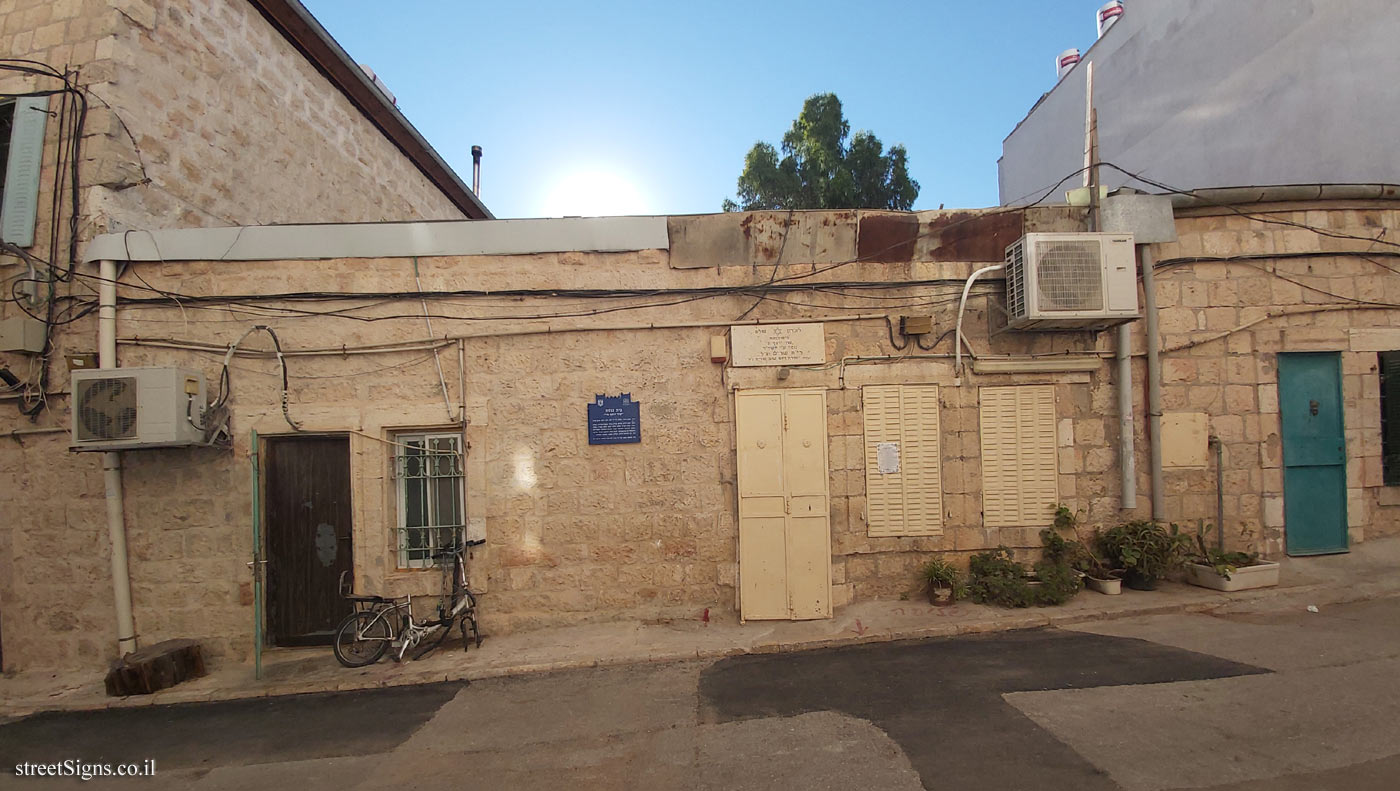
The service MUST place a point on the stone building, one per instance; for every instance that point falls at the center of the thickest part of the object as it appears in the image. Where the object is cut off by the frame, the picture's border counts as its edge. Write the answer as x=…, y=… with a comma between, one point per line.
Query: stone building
x=733, y=336
x=133, y=114
x=762, y=415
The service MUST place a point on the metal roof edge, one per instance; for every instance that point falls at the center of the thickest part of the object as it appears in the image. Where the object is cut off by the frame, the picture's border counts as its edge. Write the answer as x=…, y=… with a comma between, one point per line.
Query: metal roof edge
x=383, y=240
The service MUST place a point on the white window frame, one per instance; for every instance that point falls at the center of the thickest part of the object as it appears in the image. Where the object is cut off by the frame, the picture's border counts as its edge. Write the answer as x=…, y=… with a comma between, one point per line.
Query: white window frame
x=449, y=466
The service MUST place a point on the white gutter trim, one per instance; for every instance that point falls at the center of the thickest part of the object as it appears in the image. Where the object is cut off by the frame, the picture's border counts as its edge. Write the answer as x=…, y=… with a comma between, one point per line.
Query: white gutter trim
x=384, y=240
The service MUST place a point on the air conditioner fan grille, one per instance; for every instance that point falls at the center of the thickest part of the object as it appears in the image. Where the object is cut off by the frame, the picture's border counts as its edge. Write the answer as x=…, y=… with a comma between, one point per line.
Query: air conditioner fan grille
x=106, y=409
x=1069, y=276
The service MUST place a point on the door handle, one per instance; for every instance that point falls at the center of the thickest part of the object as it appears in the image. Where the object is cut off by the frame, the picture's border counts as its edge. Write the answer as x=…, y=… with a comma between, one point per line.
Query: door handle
x=1312, y=407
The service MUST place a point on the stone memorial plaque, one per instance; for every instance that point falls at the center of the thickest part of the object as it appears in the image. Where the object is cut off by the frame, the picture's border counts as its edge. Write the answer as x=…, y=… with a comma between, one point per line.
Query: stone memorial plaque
x=777, y=344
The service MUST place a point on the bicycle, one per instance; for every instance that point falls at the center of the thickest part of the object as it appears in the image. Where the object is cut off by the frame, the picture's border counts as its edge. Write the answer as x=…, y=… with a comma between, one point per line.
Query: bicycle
x=379, y=623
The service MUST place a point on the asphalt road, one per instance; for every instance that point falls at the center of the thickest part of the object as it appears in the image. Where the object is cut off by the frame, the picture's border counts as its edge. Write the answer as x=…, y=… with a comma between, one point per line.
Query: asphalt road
x=1267, y=701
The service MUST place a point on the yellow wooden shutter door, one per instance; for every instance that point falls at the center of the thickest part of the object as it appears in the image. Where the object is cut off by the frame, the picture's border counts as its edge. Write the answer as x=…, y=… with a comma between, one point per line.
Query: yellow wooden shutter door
x=1020, y=476
x=908, y=502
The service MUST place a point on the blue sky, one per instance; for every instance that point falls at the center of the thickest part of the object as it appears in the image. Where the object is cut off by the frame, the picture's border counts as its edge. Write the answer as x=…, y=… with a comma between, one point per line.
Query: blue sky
x=648, y=108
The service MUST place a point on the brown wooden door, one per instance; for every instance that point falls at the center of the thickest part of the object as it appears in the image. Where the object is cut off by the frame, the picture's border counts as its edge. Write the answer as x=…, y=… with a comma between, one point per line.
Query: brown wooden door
x=308, y=537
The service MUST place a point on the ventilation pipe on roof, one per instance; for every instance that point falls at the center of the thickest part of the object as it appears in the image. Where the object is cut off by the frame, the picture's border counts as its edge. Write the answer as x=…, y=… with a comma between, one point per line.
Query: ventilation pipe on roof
x=476, y=171
x=1109, y=15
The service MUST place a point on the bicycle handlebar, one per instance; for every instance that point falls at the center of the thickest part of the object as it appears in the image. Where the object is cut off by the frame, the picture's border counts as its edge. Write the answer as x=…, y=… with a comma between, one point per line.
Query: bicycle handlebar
x=456, y=547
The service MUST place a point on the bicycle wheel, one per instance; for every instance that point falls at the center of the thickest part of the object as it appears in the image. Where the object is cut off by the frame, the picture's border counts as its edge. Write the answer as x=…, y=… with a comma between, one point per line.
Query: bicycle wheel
x=362, y=639
x=469, y=619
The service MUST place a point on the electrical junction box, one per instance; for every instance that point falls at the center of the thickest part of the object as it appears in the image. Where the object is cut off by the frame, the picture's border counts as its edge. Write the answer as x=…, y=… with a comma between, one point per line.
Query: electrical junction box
x=719, y=349
x=134, y=408
x=22, y=334
x=915, y=325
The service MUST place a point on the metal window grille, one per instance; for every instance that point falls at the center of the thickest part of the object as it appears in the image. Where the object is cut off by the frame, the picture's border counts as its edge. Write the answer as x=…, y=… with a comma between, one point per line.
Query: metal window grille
x=428, y=469
x=1390, y=417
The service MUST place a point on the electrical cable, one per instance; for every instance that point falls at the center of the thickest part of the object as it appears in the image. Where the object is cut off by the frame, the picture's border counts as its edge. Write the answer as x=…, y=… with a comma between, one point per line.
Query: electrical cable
x=889, y=327
x=67, y=157
x=226, y=382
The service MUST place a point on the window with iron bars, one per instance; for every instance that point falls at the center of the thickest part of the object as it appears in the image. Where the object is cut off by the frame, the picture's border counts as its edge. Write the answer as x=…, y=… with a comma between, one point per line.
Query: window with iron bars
x=428, y=468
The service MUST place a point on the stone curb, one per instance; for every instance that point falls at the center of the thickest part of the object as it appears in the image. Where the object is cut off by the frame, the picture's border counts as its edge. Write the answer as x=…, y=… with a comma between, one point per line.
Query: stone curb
x=1321, y=593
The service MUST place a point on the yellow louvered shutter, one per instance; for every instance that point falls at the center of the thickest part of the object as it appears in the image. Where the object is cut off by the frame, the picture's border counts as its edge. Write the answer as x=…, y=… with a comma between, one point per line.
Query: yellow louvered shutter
x=1020, y=476
x=909, y=501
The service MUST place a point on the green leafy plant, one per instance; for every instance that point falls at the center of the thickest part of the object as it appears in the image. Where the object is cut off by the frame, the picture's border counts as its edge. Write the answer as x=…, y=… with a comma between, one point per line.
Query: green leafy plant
x=1144, y=549
x=1066, y=519
x=1058, y=583
x=938, y=571
x=996, y=578
x=1224, y=563
x=939, y=574
x=1076, y=552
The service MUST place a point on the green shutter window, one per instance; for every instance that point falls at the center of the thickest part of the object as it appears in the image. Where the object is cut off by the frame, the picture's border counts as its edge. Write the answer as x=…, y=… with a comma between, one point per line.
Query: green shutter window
x=1390, y=416
x=21, y=196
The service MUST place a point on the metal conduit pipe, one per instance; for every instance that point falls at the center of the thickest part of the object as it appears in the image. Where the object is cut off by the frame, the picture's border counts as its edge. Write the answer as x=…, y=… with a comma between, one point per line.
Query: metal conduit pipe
x=1125, y=417
x=957, y=328
x=1154, y=382
x=112, y=464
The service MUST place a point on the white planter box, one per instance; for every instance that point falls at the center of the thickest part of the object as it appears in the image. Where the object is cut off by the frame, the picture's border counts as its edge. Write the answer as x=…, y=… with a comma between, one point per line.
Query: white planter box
x=1111, y=587
x=1260, y=575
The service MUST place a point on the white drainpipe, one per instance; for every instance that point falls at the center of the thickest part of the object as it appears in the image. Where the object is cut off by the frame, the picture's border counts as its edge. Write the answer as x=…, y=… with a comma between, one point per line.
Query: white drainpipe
x=1125, y=417
x=112, y=462
x=957, y=328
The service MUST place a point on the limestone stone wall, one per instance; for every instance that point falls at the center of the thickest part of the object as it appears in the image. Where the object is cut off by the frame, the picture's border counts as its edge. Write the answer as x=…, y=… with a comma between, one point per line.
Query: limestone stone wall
x=1223, y=324
x=233, y=126
x=199, y=114
x=578, y=533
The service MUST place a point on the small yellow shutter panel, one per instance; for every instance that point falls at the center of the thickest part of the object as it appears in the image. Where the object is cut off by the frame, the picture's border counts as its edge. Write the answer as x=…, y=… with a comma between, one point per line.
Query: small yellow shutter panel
x=908, y=502
x=1020, y=476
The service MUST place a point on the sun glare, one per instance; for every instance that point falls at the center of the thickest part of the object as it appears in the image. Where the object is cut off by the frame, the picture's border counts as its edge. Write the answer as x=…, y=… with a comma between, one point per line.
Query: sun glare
x=594, y=193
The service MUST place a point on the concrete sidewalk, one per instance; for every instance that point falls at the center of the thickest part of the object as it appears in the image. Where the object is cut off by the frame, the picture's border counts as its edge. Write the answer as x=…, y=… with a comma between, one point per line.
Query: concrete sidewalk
x=1371, y=570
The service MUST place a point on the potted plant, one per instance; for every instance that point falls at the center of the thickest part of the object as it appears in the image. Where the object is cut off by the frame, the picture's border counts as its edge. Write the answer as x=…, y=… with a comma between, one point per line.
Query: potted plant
x=1145, y=550
x=1229, y=571
x=942, y=581
x=1099, y=573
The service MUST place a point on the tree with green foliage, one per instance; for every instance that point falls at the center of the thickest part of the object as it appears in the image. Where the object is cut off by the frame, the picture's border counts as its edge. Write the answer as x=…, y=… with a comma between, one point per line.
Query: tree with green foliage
x=824, y=167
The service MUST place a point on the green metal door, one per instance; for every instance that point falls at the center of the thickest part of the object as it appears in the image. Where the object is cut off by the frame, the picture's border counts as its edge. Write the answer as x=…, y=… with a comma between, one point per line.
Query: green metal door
x=1314, y=453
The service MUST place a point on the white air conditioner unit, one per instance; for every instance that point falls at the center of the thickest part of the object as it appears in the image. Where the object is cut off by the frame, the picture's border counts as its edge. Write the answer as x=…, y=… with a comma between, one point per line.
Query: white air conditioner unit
x=126, y=408
x=1071, y=281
